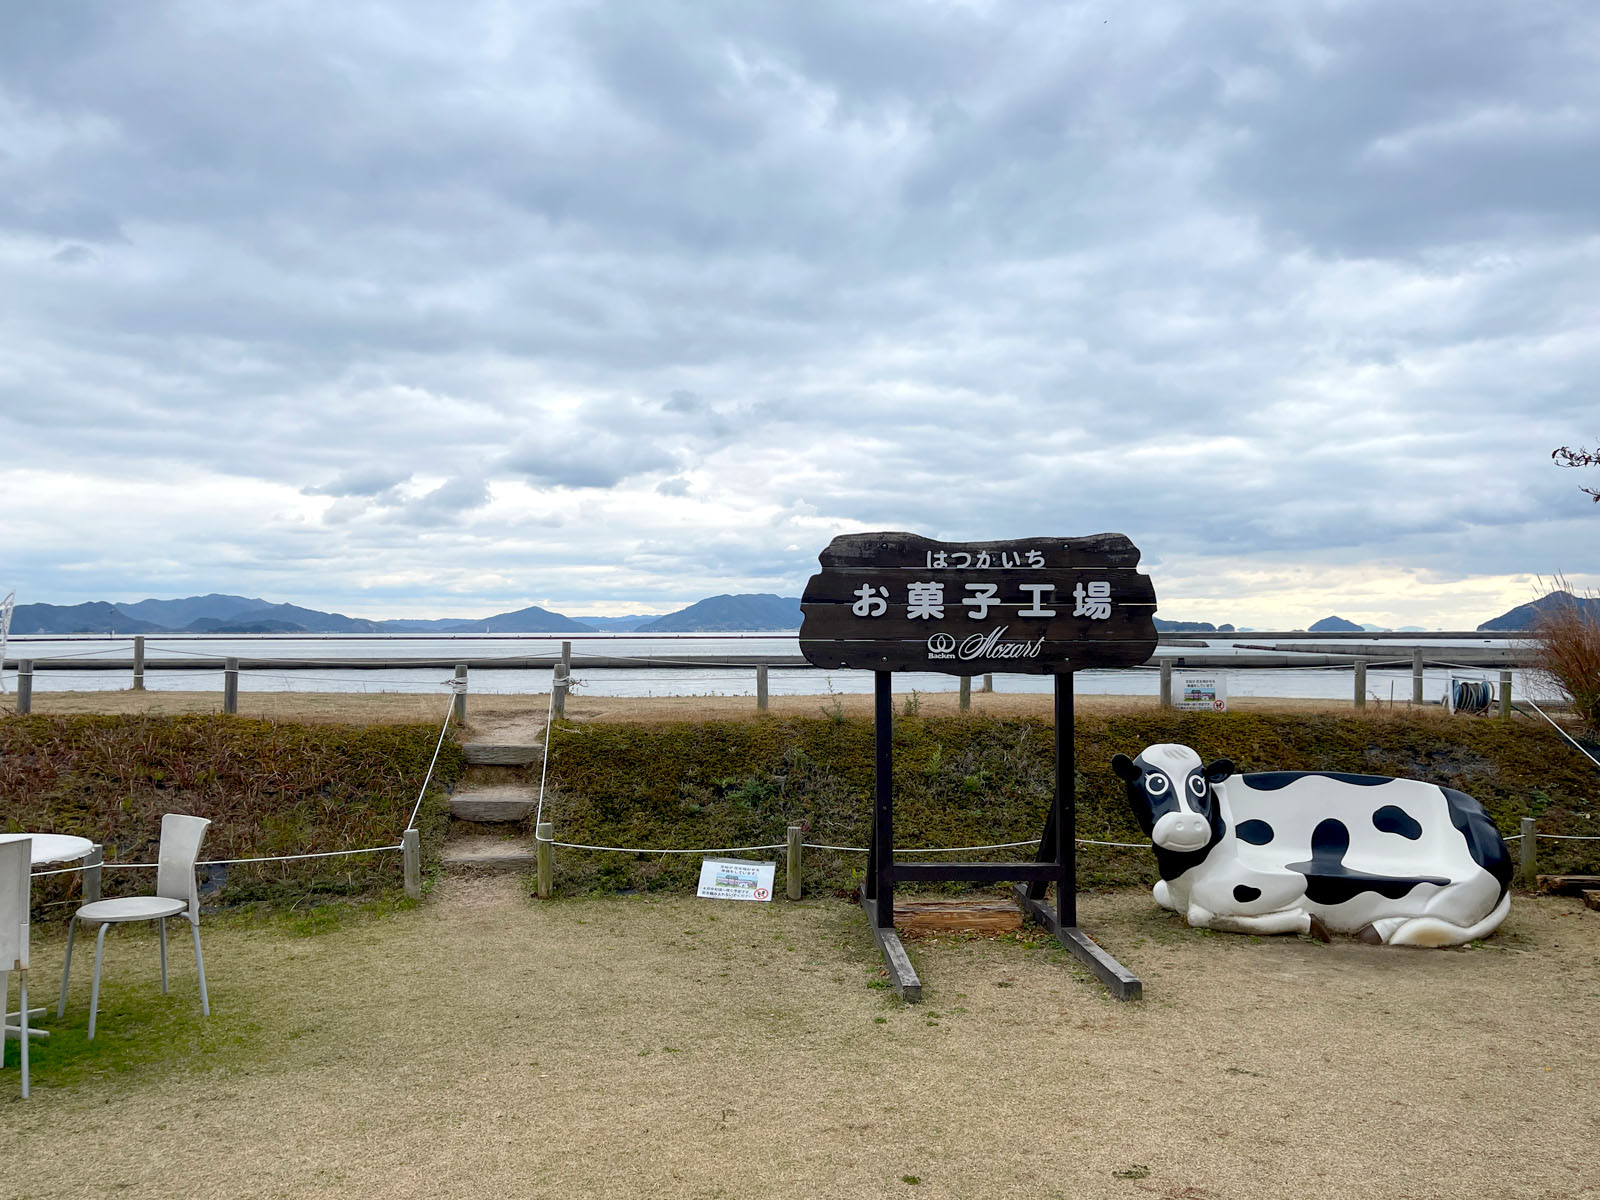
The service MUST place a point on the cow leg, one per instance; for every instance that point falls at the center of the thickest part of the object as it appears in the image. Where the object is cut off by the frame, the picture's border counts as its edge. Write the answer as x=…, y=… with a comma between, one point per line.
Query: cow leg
x=1289, y=920
x=1433, y=931
x=1163, y=895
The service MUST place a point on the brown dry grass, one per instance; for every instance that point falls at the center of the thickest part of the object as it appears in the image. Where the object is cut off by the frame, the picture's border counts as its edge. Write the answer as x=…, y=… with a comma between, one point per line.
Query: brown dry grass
x=491, y=712
x=487, y=1045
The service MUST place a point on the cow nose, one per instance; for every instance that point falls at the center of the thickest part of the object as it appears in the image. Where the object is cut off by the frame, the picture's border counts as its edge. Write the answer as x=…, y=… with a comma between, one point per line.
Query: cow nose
x=1193, y=826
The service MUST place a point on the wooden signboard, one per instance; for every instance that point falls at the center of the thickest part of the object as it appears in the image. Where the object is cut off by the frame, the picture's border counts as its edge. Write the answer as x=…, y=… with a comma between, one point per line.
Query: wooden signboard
x=889, y=602
x=1037, y=606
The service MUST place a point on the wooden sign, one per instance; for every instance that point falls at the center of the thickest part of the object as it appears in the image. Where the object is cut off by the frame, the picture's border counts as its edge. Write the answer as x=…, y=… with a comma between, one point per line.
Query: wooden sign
x=1033, y=606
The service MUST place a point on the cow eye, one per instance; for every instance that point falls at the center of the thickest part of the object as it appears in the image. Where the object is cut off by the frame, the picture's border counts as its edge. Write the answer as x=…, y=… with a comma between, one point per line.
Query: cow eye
x=1156, y=785
x=1197, y=786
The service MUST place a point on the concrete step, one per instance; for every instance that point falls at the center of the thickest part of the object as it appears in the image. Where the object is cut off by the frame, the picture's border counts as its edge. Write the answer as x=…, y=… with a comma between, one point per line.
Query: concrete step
x=502, y=754
x=481, y=852
x=503, y=802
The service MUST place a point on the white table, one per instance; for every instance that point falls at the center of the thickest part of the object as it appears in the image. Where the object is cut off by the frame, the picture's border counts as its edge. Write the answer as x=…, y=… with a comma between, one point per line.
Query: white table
x=52, y=849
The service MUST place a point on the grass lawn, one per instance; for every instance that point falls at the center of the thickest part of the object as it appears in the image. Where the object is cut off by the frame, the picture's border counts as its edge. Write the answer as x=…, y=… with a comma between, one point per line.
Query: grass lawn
x=483, y=1044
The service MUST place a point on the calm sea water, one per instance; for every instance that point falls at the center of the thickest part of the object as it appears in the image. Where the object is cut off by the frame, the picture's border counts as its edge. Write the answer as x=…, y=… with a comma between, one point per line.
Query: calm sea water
x=340, y=669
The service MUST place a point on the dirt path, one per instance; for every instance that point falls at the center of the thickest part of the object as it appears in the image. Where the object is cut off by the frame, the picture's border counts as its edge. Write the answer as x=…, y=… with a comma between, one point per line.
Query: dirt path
x=486, y=1044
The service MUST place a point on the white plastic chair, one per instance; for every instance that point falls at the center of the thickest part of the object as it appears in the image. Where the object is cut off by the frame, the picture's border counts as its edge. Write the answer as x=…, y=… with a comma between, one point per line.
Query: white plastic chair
x=16, y=865
x=176, y=894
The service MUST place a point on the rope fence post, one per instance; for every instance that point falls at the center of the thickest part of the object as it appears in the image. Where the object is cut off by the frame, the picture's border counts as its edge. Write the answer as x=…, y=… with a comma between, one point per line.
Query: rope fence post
x=988, y=684
x=230, y=686
x=1530, y=854
x=411, y=851
x=1166, y=683
x=458, y=706
x=761, y=687
x=966, y=692
x=1361, y=683
x=792, y=865
x=1505, y=695
x=25, y=685
x=1416, y=676
x=558, y=692
x=545, y=833
x=138, y=662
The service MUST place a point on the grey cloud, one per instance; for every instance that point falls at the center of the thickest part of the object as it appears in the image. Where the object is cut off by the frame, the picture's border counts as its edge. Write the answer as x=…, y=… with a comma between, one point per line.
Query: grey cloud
x=362, y=481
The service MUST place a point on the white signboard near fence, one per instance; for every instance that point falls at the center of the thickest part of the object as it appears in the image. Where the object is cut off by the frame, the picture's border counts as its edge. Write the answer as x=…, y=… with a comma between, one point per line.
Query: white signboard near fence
x=1203, y=693
x=736, y=879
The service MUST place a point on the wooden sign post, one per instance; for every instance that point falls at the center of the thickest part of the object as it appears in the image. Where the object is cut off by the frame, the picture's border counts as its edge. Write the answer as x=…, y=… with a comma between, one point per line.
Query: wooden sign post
x=890, y=602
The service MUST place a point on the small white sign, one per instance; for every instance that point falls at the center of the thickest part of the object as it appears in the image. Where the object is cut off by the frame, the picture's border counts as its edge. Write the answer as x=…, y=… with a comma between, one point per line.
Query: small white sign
x=736, y=879
x=1201, y=693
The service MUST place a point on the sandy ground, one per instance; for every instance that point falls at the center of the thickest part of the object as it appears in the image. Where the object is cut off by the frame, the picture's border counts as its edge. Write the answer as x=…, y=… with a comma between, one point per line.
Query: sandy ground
x=486, y=1044
x=487, y=713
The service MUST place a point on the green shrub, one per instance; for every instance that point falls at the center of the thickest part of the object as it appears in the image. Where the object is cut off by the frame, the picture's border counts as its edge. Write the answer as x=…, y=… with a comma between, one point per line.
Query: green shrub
x=268, y=787
x=973, y=780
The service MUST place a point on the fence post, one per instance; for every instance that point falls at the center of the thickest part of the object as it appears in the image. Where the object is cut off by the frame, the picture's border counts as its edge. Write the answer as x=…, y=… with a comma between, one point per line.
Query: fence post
x=458, y=706
x=545, y=834
x=91, y=873
x=411, y=850
x=966, y=692
x=138, y=662
x=761, y=687
x=558, y=693
x=1166, y=683
x=1505, y=695
x=1361, y=683
x=988, y=683
x=25, y=685
x=566, y=658
x=1530, y=854
x=792, y=866
x=230, y=686
x=1416, y=676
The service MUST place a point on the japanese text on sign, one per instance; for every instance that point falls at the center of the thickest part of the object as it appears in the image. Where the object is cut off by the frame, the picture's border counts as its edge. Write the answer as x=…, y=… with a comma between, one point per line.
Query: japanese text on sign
x=925, y=600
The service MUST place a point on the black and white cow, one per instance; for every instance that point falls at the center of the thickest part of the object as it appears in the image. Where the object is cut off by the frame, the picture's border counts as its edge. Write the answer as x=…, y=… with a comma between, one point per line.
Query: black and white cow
x=1394, y=861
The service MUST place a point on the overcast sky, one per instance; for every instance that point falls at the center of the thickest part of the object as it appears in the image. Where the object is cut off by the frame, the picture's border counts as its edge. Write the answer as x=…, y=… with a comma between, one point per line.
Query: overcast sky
x=436, y=310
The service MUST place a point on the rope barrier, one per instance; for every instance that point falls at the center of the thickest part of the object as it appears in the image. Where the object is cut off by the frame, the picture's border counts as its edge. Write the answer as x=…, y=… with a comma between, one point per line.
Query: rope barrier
x=448, y=713
x=1565, y=734
x=232, y=862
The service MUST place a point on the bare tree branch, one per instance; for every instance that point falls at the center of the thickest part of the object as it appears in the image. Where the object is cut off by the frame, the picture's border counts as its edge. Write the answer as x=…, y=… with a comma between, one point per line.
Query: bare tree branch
x=1566, y=456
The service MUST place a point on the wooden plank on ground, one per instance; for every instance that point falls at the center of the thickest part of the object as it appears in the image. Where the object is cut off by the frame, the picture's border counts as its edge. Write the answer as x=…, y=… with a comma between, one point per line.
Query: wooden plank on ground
x=1122, y=983
x=968, y=914
x=491, y=754
x=902, y=975
x=1568, y=885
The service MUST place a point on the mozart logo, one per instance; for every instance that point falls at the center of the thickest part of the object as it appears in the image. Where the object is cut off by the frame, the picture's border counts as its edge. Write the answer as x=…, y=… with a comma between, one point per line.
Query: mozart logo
x=982, y=646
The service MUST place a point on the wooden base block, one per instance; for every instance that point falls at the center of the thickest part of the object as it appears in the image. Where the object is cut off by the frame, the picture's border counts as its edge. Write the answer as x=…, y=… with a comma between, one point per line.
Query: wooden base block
x=1568, y=885
x=1121, y=982
x=902, y=975
x=1591, y=898
x=975, y=914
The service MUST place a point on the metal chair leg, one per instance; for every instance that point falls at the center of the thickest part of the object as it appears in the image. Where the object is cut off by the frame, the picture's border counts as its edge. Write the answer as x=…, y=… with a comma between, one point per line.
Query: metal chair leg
x=24, y=1031
x=94, y=991
x=200, y=966
x=66, y=968
x=163, y=924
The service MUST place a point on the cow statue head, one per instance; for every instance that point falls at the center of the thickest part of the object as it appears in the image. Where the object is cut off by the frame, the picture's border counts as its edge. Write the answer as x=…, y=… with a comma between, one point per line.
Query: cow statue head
x=1172, y=798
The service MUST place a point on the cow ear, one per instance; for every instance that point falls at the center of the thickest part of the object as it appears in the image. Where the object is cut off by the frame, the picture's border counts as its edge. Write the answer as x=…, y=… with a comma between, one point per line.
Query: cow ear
x=1123, y=766
x=1219, y=770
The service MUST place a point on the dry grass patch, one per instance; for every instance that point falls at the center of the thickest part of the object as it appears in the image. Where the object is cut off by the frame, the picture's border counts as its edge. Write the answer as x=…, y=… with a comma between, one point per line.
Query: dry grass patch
x=487, y=1045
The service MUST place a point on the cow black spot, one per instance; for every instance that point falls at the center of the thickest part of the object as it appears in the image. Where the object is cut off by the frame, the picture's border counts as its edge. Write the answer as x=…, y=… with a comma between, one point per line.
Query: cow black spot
x=1244, y=893
x=1272, y=781
x=1257, y=833
x=1329, y=881
x=1393, y=819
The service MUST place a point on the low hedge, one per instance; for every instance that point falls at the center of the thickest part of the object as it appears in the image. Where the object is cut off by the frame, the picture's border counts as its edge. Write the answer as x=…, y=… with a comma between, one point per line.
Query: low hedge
x=973, y=780
x=269, y=788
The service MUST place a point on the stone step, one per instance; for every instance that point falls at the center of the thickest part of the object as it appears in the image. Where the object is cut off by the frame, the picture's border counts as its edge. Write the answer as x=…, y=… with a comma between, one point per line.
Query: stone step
x=481, y=852
x=501, y=754
x=505, y=802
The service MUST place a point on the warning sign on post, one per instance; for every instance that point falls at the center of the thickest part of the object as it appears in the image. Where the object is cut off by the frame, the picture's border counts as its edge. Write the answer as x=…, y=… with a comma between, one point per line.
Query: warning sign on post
x=736, y=879
x=1202, y=693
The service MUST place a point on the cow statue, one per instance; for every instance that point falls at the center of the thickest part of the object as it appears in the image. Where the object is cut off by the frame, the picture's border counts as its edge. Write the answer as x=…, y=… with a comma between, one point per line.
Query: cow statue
x=1394, y=861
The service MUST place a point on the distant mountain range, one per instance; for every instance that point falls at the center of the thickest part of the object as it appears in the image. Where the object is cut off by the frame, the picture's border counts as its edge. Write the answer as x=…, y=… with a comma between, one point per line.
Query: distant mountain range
x=746, y=613
x=216, y=613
